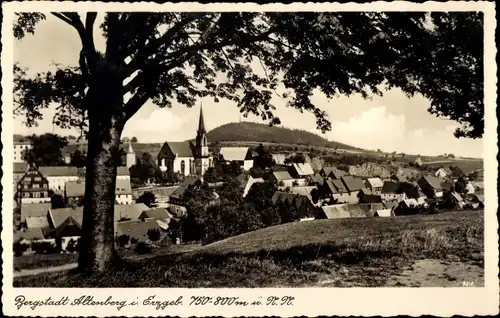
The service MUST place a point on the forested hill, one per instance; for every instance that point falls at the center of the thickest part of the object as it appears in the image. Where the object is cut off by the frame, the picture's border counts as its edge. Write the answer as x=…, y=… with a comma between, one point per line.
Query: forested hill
x=247, y=131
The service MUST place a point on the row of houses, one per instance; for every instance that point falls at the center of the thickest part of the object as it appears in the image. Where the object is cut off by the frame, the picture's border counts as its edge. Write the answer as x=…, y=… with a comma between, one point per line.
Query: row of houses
x=33, y=184
x=62, y=225
x=341, y=194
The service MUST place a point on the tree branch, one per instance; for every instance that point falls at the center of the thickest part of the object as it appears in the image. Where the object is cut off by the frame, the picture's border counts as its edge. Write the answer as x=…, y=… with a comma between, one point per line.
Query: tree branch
x=156, y=44
x=134, y=104
x=85, y=32
x=63, y=18
x=112, y=43
x=177, y=61
x=89, y=28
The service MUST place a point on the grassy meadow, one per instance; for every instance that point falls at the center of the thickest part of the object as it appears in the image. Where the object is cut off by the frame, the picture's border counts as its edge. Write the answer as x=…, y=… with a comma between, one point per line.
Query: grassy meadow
x=364, y=252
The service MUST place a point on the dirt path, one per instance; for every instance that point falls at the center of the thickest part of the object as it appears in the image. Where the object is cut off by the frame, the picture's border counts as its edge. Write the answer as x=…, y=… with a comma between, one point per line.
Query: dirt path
x=439, y=273
x=37, y=271
x=65, y=267
x=423, y=273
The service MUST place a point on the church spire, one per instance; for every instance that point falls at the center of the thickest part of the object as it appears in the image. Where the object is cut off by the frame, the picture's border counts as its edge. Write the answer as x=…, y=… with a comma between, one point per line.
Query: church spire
x=201, y=123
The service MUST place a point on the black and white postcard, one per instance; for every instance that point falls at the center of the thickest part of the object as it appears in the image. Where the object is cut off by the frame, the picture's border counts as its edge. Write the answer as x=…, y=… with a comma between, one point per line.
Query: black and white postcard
x=249, y=160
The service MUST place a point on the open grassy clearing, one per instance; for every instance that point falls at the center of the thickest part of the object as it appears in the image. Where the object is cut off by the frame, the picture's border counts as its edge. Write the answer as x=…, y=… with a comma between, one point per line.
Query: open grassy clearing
x=340, y=253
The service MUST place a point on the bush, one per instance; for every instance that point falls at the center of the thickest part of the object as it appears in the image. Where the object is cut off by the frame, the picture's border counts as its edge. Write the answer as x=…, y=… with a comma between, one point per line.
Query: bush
x=148, y=198
x=19, y=248
x=154, y=234
x=133, y=240
x=142, y=248
x=44, y=247
x=73, y=245
x=123, y=240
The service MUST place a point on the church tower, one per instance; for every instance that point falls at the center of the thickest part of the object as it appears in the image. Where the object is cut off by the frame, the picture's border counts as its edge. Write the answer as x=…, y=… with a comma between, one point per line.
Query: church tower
x=203, y=160
x=130, y=160
x=201, y=137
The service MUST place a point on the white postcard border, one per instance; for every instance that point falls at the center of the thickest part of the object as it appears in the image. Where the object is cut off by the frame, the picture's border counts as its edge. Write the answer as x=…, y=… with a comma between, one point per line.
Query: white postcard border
x=308, y=301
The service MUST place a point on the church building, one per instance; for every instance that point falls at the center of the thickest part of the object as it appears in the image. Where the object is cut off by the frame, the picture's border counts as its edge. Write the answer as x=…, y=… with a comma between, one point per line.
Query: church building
x=186, y=157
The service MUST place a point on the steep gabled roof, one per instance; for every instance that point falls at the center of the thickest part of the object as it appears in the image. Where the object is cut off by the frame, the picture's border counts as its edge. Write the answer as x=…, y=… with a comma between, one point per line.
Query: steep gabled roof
x=352, y=183
x=34, y=210
x=457, y=196
x=375, y=182
x=390, y=204
x=179, y=148
x=69, y=221
x=136, y=228
x=316, y=178
x=123, y=187
x=250, y=182
x=179, y=192
x=58, y=216
x=305, y=191
x=336, y=186
x=434, y=182
x=122, y=171
x=343, y=211
x=235, y=153
x=290, y=197
x=282, y=175
x=37, y=222
x=58, y=171
x=303, y=169
x=333, y=172
x=391, y=187
x=129, y=211
x=157, y=213
x=29, y=234
x=75, y=188
x=20, y=167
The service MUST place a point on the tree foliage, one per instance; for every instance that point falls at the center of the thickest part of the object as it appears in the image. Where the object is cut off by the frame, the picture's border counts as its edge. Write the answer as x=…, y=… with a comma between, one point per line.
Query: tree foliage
x=264, y=160
x=296, y=158
x=148, y=198
x=57, y=201
x=146, y=169
x=78, y=158
x=154, y=234
x=46, y=150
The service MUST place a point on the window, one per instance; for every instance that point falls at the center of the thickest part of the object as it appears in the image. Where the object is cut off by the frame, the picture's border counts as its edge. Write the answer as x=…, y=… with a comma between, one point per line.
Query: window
x=36, y=186
x=45, y=186
x=26, y=194
x=38, y=179
x=183, y=167
x=25, y=187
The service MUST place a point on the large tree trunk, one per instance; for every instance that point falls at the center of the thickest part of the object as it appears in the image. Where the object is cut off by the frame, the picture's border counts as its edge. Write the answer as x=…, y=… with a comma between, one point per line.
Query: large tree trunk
x=97, y=253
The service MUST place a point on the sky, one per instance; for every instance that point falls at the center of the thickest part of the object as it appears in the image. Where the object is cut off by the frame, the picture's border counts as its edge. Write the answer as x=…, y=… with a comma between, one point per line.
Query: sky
x=390, y=123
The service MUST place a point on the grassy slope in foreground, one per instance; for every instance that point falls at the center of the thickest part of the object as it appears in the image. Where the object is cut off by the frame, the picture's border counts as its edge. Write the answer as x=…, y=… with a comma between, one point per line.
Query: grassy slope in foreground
x=351, y=252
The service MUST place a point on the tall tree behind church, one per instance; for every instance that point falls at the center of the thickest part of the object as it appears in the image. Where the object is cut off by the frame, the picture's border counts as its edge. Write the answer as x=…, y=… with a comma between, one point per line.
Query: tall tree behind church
x=46, y=150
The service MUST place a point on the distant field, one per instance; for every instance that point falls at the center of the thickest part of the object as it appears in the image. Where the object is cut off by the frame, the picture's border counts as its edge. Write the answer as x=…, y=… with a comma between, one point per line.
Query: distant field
x=139, y=148
x=442, y=249
x=467, y=165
